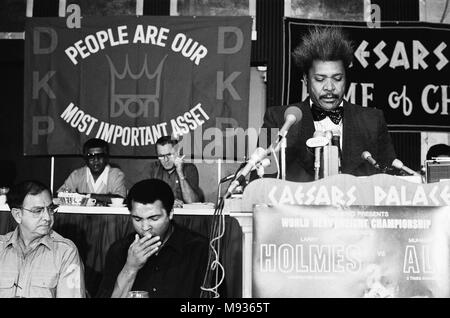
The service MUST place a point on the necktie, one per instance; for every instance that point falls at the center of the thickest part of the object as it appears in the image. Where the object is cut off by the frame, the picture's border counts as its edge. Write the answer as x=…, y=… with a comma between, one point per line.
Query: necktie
x=334, y=114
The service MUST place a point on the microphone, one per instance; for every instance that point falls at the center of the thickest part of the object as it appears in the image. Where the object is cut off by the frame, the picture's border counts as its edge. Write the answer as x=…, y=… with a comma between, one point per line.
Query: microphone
x=399, y=165
x=231, y=176
x=329, y=136
x=261, y=165
x=256, y=157
x=225, y=179
x=336, y=141
x=317, y=142
x=292, y=115
x=367, y=156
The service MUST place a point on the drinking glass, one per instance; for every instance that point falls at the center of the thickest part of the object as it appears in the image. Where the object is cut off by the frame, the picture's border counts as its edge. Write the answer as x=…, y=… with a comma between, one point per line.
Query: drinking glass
x=137, y=294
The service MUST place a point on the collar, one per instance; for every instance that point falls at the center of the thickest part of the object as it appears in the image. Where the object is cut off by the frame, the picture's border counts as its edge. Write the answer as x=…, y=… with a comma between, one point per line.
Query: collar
x=103, y=178
x=167, y=171
x=14, y=239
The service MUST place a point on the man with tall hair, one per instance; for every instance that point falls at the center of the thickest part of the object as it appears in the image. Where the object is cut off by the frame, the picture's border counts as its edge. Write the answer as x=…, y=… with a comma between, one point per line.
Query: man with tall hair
x=324, y=56
x=35, y=261
x=97, y=177
x=161, y=257
x=181, y=176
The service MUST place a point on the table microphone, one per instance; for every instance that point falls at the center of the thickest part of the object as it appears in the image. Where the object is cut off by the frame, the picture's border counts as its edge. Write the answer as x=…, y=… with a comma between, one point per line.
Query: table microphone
x=336, y=141
x=368, y=157
x=261, y=165
x=317, y=142
x=292, y=115
x=399, y=165
x=255, y=158
x=329, y=136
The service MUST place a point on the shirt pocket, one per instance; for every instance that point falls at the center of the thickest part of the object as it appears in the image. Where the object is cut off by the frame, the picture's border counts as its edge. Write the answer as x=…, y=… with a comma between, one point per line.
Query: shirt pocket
x=43, y=284
x=7, y=281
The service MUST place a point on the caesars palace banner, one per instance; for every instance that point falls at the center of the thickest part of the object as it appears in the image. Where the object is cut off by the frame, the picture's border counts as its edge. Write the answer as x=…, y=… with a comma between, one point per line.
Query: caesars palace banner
x=346, y=236
x=400, y=68
x=129, y=80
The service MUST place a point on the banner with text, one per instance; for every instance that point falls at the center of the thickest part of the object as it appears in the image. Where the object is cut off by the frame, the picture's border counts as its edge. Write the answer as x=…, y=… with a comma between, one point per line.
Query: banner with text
x=362, y=251
x=130, y=80
x=401, y=68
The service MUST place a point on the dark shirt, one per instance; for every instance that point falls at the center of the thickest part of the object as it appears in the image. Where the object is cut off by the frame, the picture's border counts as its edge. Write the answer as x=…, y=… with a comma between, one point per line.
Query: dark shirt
x=190, y=172
x=177, y=271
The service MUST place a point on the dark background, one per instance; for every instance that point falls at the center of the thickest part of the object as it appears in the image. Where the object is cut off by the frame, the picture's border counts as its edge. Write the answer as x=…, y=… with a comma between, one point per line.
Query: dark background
x=267, y=50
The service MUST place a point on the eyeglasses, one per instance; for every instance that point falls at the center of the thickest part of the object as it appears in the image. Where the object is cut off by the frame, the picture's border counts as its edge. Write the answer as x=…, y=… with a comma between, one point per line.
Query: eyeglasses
x=37, y=212
x=165, y=157
x=93, y=156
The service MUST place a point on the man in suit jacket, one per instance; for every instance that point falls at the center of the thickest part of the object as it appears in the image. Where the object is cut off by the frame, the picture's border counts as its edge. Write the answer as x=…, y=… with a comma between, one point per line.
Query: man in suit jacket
x=325, y=55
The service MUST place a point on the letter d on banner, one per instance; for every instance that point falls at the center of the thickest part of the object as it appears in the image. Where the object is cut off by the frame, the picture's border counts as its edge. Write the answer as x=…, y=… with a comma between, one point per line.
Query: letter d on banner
x=51, y=40
x=221, y=49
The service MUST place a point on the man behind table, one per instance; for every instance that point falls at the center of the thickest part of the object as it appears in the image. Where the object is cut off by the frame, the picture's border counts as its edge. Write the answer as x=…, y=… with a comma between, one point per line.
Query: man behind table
x=325, y=55
x=97, y=177
x=170, y=168
x=35, y=261
x=162, y=258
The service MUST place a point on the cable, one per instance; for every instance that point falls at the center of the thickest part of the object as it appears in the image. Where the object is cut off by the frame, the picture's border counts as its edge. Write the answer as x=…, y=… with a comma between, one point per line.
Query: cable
x=217, y=232
x=444, y=13
x=214, y=267
x=276, y=162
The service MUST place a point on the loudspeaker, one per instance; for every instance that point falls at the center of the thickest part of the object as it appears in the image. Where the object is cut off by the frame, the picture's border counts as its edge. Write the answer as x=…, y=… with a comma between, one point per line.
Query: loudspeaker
x=437, y=170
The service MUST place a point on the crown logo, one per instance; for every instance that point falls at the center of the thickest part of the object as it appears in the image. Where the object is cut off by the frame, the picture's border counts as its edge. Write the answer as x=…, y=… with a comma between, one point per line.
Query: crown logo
x=123, y=89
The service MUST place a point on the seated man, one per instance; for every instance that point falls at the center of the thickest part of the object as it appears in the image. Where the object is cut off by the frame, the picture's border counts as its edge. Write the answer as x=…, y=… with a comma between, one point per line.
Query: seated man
x=162, y=258
x=97, y=177
x=35, y=261
x=438, y=151
x=182, y=177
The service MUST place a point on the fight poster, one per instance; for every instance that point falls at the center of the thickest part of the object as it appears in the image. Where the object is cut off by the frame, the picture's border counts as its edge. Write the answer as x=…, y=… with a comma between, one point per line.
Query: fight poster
x=359, y=251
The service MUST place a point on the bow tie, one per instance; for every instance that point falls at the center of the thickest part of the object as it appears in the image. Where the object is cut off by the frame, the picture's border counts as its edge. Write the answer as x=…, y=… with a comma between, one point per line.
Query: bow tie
x=335, y=114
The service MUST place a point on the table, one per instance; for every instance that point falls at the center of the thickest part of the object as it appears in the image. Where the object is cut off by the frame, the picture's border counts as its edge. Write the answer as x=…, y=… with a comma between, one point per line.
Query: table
x=94, y=229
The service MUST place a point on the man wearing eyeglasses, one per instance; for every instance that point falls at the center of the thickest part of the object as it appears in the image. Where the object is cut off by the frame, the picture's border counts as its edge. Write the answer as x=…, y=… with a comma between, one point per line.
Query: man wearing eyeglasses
x=170, y=168
x=97, y=177
x=35, y=261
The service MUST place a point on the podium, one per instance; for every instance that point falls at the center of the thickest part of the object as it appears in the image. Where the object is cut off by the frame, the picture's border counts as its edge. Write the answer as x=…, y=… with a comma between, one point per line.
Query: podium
x=346, y=236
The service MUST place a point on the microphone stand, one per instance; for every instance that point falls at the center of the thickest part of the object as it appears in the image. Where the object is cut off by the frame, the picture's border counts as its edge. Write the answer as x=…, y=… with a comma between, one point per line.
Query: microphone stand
x=283, y=143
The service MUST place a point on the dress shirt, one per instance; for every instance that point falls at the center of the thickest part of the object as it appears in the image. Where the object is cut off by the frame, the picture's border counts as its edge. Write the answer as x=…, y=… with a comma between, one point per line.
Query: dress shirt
x=326, y=124
x=101, y=183
x=51, y=268
x=190, y=172
x=111, y=181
